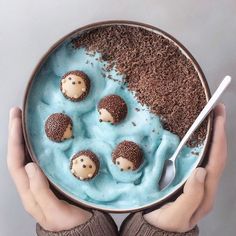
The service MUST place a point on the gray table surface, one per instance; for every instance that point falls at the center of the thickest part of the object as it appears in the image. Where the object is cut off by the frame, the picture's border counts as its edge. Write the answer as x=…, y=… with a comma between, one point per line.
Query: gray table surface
x=28, y=28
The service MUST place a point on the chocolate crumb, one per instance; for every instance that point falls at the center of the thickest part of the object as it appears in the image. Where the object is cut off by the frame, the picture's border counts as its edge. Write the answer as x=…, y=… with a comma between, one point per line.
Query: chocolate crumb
x=195, y=153
x=103, y=75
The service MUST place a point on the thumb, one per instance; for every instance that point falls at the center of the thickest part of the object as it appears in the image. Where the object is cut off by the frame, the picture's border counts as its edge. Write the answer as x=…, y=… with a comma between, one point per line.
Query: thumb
x=188, y=202
x=192, y=195
x=177, y=216
x=39, y=187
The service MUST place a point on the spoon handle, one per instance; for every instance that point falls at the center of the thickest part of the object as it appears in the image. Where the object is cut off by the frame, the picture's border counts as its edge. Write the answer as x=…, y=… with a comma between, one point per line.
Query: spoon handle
x=205, y=111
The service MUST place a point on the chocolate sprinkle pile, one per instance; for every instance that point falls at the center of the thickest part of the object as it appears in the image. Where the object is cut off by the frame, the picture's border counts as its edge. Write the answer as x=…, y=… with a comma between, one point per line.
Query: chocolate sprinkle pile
x=115, y=105
x=56, y=125
x=161, y=76
x=130, y=151
x=89, y=154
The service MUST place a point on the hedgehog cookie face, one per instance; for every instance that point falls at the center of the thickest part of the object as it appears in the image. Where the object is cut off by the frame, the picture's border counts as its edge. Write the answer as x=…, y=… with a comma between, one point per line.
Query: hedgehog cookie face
x=105, y=116
x=58, y=127
x=127, y=156
x=84, y=165
x=112, y=109
x=75, y=85
x=124, y=164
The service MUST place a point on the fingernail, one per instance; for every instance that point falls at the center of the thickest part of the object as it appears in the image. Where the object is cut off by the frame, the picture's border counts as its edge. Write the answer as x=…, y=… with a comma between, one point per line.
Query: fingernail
x=14, y=112
x=200, y=175
x=223, y=109
x=30, y=170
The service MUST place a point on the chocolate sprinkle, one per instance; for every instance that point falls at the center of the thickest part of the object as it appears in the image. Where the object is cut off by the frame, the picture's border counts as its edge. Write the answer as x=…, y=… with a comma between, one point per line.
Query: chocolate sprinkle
x=130, y=151
x=56, y=125
x=161, y=76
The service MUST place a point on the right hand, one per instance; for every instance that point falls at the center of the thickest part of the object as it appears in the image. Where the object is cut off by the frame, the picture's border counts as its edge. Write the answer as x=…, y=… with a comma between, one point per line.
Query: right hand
x=200, y=189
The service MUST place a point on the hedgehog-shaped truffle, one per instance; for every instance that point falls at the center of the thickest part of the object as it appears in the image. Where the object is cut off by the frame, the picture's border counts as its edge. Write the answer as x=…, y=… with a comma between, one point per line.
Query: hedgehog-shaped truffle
x=127, y=156
x=58, y=127
x=112, y=109
x=75, y=85
x=84, y=165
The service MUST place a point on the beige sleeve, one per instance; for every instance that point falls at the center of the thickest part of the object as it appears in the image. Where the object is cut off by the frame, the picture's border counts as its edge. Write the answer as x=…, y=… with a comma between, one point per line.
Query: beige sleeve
x=100, y=224
x=135, y=225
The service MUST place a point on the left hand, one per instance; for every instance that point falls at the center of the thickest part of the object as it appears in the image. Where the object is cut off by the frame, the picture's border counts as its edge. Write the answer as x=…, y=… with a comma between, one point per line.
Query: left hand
x=199, y=191
x=38, y=200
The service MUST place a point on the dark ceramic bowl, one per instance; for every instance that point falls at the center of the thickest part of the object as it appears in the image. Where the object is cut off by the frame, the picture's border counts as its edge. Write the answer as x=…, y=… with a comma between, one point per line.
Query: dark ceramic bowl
x=202, y=159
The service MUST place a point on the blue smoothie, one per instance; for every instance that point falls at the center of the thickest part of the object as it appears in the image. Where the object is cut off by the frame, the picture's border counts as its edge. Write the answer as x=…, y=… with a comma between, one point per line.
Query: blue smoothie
x=111, y=188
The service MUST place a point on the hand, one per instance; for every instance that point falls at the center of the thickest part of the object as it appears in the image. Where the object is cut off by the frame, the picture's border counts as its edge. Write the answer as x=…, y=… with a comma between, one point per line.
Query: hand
x=199, y=191
x=38, y=200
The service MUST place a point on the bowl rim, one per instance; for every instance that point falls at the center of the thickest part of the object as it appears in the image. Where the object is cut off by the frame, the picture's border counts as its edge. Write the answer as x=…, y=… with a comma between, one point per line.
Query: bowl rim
x=84, y=204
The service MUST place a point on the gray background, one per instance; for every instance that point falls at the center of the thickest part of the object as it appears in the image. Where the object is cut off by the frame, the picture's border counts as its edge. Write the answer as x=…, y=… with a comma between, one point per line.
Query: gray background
x=27, y=29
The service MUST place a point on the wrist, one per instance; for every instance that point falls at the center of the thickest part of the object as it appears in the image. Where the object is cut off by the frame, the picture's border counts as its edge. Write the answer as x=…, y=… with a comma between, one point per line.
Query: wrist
x=168, y=225
x=57, y=224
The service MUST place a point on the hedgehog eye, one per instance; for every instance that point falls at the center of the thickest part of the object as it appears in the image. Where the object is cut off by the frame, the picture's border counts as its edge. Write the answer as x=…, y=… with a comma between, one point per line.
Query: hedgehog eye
x=90, y=166
x=82, y=160
x=84, y=166
x=73, y=82
x=70, y=128
x=79, y=82
x=69, y=78
x=118, y=163
x=129, y=168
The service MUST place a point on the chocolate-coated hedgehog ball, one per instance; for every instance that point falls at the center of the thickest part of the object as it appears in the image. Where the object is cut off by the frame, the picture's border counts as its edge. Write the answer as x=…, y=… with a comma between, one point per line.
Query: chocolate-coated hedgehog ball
x=112, y=109
x=127, y=156
x=75, y=85
x=84, y=165
x=58, y=127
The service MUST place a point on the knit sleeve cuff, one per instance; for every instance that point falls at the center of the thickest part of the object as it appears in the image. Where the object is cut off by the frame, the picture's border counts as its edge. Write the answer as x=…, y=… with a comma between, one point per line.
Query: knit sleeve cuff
x=136, y=225
x=100, y=224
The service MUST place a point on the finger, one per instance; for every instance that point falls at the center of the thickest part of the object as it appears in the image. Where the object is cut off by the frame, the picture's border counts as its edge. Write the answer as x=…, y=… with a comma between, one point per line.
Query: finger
x=51, y=205
x=218, y=153
x=39, y=187
x=16, y=155
x=176, y=217
x=216, y=164
x=187, y=203
x=15, y=161
x=15, y=112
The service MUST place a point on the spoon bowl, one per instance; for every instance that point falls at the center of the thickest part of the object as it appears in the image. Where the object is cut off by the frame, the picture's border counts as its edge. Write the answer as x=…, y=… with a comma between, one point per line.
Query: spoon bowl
x=168, y=175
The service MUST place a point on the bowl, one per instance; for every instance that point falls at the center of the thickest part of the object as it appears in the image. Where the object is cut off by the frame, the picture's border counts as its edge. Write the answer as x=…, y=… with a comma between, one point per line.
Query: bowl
x=202, y=159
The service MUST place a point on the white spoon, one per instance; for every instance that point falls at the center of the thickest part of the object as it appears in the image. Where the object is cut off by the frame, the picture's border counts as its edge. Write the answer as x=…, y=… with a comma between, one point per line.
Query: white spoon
x=169, y=169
